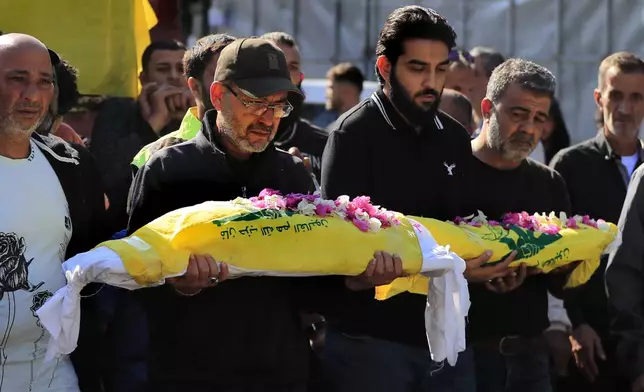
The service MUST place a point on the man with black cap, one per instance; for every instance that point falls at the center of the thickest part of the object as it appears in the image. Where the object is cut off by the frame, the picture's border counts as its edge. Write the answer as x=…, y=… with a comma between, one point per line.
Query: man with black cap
x=51, y=204
x=244, y=334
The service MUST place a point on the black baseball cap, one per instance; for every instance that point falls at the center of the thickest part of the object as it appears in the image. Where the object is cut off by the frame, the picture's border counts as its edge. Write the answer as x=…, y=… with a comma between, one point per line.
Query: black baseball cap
x=257, y=66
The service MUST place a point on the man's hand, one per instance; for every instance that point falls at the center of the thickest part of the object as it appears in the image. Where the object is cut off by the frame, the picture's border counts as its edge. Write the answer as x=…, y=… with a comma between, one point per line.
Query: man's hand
x=178, y=104
x=638, y=384
x=202, y=272
x=566, y=269
x=476, y=272
x=154, y=108
x=559, y=348
x=586, y=345
x=511, y=281
x=382, y=270
x=307, y=162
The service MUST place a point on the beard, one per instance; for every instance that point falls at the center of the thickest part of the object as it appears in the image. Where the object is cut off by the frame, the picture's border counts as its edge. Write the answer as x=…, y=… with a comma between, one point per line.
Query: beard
x=230, y=129
x=415, y=114
x=516, y=148
x=12, y=128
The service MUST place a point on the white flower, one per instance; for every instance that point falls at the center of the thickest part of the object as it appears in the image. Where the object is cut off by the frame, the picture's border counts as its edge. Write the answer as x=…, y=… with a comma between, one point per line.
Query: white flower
x=563, y=217
x=363, y=216
x=340, y=214
x=306, y=208
x=480, y=218
x=374, y=225
x=603, y=225
x=343, y=202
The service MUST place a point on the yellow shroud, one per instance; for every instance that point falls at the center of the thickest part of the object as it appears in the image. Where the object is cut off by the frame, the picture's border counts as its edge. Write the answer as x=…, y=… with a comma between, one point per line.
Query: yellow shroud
x=284, y=243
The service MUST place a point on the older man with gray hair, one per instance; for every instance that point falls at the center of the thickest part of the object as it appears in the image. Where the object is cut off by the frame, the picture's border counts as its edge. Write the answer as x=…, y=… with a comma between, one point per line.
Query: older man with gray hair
x=509, y=315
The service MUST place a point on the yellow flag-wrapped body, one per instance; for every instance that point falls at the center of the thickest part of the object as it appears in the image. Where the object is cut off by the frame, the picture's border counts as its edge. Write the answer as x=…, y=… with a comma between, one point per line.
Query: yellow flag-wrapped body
x=304, y=235
x=544, y=242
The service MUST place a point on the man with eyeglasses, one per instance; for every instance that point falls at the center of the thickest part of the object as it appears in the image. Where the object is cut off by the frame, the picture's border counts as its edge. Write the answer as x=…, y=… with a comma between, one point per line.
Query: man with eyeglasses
x=207, y=334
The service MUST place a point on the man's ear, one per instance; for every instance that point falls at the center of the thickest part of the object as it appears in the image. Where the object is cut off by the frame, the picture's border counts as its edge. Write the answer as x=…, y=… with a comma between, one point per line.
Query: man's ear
x=597, y=94
x=217, y=95
x=143, y=78
x=384, y=67
x=486, y=109
x=195, y=88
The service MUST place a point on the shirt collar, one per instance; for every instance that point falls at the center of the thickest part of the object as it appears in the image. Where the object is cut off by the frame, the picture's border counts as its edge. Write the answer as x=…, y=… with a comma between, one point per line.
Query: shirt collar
x=394, y=118
x=605, y=147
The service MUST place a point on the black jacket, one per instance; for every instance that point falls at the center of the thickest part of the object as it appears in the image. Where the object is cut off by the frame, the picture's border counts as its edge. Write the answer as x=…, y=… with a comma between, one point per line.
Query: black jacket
x=597, y=182
x=373, y=151
x=244, y=332
x=78, y=176
x=308, y=138
x=625, y=283
x=118, y=135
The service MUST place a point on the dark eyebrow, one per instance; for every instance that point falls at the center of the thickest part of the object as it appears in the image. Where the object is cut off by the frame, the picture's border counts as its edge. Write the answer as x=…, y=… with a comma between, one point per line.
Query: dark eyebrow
x=417, y=62
x=424, y=64
x=165, y=64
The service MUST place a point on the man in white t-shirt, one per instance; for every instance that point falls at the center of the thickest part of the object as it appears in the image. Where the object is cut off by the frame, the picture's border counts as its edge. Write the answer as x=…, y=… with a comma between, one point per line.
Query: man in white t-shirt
x=597, y=173
x=51, y=206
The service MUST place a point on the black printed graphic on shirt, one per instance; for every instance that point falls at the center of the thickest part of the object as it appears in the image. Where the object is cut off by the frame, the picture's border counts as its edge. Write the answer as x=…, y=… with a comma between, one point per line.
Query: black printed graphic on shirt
x=14, y=276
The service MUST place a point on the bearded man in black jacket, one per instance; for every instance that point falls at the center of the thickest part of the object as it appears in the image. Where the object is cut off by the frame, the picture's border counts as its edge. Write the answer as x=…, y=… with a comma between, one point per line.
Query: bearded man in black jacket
x=244, y=334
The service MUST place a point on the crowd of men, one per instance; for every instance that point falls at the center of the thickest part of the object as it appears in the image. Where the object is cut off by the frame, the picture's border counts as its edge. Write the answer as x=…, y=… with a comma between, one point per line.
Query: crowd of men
x=449, y=132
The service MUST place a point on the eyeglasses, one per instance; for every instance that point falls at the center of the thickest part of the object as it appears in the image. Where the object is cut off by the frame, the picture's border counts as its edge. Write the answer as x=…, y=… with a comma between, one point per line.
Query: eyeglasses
x=280, y=110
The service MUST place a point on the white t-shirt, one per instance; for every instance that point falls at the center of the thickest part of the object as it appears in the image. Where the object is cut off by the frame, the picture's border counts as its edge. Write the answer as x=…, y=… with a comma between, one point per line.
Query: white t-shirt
x=35, y=229
x=629, y=163
x=539, y=153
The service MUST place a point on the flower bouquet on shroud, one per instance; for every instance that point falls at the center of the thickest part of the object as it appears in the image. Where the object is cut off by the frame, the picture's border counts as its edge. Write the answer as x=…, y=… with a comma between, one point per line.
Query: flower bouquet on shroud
x=305, y=235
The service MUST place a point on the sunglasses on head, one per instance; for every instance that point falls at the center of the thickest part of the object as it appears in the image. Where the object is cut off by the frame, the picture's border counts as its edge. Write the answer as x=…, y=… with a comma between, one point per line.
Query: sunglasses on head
x=460, y=55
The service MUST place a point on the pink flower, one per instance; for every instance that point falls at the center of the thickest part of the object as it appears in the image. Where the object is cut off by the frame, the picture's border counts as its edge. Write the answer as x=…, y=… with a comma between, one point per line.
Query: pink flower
x=268, y=192
x=293, y=200
x=458, y=220
x=549, y=229
x=511, y=219
x=362, y=225
x=571, y=223
x=323, y=210
x=493, y=223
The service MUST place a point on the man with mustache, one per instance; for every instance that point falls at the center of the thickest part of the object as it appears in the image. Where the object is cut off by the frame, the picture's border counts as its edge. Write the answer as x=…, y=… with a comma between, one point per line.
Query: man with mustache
x=598, y=172
x=398, y=148
x=51, y=208
x=244, y=334
x=508, y=315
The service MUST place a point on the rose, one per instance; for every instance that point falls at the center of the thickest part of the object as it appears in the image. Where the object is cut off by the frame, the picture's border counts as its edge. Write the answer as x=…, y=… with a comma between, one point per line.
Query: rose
x=11, y=245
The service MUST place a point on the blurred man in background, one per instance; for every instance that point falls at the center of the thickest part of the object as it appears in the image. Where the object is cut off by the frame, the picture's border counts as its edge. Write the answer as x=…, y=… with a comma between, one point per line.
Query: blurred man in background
x=343, y=89
x=123, y=126
x=485, y=60
x=296, y=134
x=459, y=107
x=598, y=172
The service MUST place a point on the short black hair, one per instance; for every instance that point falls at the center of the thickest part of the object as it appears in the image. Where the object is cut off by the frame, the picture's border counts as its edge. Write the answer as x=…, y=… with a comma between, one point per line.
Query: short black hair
x=66, y=79
x=197, y=57
x=280, y=38
x=412, y=21
x=159, y=45
x=347, y=72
